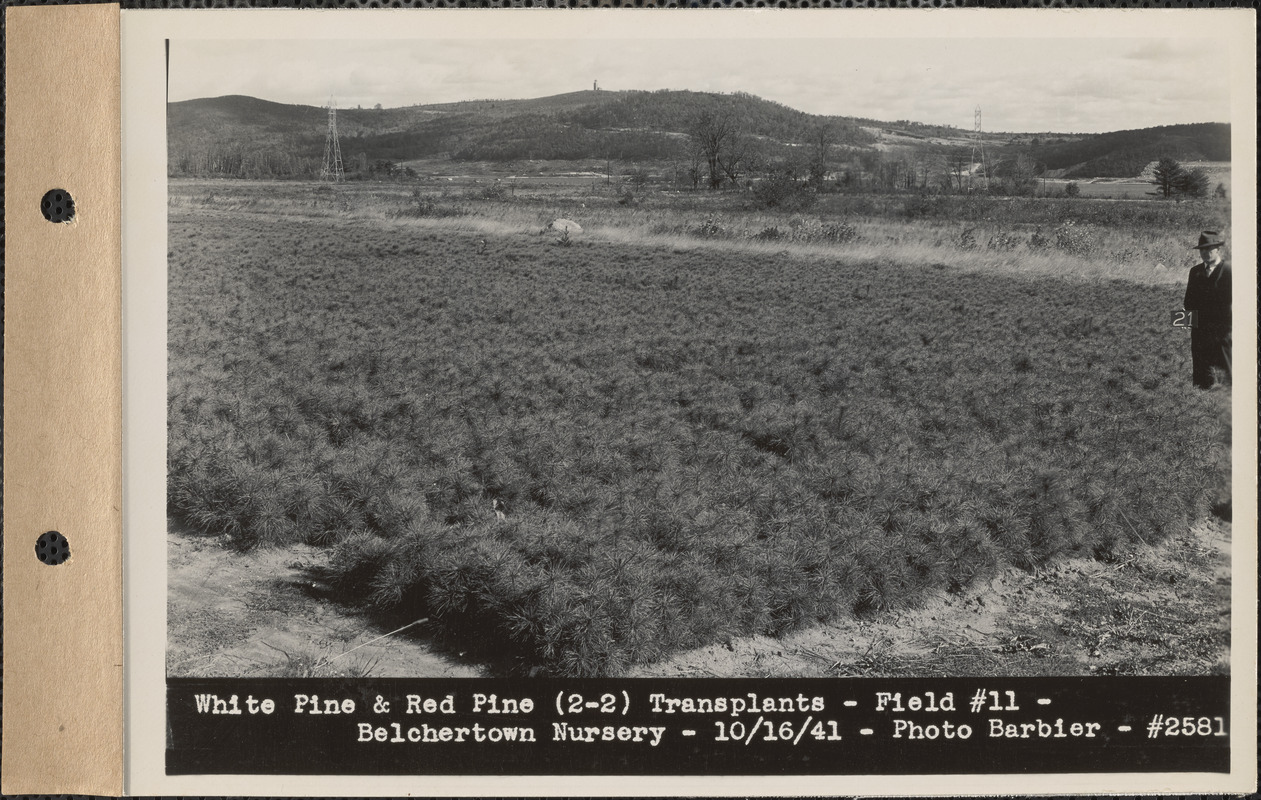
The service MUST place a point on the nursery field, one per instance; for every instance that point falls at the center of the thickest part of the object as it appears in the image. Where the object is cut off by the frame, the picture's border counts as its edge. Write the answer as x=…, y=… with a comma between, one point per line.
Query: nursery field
x=690, y=439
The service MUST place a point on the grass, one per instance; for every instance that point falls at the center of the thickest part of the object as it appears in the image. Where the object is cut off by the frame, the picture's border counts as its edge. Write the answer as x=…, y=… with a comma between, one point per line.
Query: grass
x=305, y=664
x=1136, y=240
x=695, y=437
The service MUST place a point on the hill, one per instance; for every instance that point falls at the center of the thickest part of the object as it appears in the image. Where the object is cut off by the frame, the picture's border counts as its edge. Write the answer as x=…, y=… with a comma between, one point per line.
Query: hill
x=643, y=126
x=1124, y=154
x=248, y=137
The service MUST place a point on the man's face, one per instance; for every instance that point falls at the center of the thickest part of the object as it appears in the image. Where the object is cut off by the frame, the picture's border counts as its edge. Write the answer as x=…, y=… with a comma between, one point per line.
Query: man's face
x=1211, y=255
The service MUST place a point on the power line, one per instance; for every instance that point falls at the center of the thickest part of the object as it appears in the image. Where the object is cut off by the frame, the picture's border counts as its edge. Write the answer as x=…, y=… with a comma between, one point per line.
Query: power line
x=332, y=171
x=978, y=145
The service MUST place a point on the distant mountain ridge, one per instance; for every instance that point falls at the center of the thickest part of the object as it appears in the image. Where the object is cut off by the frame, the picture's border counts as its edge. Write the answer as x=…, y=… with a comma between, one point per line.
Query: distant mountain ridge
x=238, y=134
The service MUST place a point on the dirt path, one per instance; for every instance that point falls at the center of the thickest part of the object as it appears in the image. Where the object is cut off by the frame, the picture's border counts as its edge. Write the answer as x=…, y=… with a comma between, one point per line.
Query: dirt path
x=1160, y=611
x=232, y=614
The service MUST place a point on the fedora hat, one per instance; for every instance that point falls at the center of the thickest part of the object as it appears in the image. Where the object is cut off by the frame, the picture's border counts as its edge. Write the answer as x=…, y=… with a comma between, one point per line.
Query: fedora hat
x=1209, y=239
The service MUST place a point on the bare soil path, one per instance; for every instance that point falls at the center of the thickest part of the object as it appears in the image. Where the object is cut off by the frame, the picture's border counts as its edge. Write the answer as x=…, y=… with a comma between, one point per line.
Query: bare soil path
x=255, y=614
x=1159, y=611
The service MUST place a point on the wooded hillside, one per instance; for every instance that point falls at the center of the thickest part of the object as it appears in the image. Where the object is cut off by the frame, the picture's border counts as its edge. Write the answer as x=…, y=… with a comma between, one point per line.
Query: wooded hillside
x=247, y=137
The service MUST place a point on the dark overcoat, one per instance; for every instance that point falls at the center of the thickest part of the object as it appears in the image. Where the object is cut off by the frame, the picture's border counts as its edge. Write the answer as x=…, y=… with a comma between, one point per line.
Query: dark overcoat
x=1210, y=339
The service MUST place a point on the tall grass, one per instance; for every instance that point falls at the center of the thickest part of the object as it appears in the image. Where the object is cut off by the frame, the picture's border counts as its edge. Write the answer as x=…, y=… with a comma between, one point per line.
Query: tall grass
x=694, y=440
x=1141, y=241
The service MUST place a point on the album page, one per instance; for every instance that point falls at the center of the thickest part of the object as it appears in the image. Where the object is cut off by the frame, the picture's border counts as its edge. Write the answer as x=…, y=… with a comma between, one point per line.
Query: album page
x=594, y=402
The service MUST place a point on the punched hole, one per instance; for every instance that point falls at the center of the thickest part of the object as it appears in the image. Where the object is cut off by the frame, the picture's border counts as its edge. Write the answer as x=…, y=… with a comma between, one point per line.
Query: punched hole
x=52, y=548
x=57, y=206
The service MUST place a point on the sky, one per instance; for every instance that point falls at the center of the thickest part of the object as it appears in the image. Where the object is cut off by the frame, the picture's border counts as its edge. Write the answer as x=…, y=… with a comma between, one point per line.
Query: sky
x=1065, y=85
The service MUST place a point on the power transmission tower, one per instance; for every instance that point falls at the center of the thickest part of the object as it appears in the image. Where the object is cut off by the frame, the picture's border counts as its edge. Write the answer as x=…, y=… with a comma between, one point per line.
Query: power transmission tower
x=978, y=145
x=332, y=170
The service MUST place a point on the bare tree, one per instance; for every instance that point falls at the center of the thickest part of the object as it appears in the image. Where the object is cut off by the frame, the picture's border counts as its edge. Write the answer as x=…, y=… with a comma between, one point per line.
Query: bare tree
x=924, y=166
x=1022, y=177
x=714, y=133
x=958, y=164
x=740, y=157
x=691, y=158
x=820, y=144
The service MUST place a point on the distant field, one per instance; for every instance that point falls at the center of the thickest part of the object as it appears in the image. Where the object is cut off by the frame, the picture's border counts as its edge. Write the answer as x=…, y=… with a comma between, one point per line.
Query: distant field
x=1139, y=240
x=1116, y=189
x=697, y=432
x=1121, y=189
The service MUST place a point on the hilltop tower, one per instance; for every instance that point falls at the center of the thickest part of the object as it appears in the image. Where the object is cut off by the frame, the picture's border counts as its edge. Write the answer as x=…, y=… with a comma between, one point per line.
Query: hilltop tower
x=332, y=171
x=978, y=146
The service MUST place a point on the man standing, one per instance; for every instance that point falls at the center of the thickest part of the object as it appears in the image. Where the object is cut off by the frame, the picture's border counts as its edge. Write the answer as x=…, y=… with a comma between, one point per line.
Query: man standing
x=1208, y=293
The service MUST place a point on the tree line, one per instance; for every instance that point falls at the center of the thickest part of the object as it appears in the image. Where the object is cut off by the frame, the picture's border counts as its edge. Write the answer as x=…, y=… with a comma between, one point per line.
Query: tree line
x=1120, y=154
x=716, y=148
x=721, y=153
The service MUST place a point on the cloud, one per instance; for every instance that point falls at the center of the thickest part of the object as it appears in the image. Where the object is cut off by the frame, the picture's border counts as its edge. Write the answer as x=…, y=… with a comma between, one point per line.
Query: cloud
x=1082, y=85
x=1162, y=50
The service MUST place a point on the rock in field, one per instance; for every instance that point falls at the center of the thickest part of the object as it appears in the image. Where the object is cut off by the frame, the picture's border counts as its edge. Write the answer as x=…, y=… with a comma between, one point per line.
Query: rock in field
x=564, y=225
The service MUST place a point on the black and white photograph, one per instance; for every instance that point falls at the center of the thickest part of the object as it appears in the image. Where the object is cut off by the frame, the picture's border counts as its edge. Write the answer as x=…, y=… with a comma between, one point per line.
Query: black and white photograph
x=719, y=368
x=514, y=355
